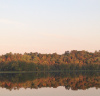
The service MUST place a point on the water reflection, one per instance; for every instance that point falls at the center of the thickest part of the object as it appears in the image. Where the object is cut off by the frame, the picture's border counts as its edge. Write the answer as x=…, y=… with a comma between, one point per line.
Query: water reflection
x=59, y=91
x=70, y=80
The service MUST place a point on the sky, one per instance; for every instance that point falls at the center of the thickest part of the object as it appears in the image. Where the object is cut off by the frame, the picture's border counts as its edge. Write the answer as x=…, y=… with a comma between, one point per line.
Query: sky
x=49, y=26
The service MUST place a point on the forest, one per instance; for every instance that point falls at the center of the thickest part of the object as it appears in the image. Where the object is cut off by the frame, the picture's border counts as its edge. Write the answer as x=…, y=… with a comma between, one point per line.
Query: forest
x=70, y=60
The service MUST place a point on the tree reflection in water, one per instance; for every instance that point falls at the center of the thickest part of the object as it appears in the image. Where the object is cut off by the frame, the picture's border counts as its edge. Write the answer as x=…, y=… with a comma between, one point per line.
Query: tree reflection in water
x=71, y=80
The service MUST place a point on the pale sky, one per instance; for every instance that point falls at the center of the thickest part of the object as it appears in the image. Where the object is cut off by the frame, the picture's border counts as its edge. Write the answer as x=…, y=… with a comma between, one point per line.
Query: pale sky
x=48, y=26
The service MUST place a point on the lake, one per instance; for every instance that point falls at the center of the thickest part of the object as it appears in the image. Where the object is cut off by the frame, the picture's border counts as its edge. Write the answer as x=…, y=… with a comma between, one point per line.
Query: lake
x=50, y=84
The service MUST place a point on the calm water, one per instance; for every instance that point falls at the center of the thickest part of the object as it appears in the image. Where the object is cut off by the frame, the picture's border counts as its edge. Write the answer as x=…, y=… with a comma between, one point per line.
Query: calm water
x=60, y=91
x=50, y=84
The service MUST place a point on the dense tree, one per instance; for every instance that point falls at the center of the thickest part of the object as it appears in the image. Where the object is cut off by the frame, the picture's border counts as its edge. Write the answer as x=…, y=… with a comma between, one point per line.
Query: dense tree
x=74, y=60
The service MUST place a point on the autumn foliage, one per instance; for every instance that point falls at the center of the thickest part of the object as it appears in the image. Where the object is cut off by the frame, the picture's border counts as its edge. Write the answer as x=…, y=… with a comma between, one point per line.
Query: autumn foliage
x=74, y=60
x=71, y=80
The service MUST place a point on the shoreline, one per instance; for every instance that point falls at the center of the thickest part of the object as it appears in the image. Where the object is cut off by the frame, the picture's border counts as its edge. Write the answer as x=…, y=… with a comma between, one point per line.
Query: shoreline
x=49, y=71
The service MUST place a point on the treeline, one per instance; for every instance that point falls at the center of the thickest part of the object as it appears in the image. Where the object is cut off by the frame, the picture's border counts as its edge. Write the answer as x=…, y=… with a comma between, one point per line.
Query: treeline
x=74, y=60
x=74, y=81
